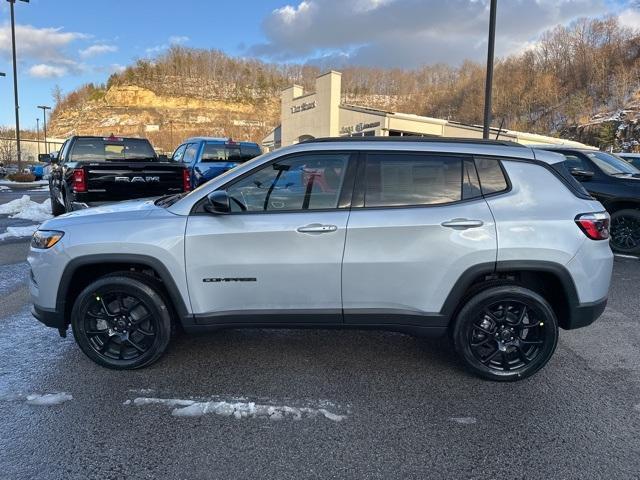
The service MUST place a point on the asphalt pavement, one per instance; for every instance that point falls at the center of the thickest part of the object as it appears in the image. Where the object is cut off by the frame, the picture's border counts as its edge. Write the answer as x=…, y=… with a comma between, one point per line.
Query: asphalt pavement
x=352, y=404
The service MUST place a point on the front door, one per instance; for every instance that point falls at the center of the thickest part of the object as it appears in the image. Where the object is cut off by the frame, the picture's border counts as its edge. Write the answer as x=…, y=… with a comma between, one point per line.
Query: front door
x=277, y=257
x=418, y=223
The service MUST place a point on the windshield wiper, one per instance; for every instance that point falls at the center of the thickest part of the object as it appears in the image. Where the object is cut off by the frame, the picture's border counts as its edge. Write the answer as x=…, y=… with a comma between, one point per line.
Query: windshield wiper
x=168, y=200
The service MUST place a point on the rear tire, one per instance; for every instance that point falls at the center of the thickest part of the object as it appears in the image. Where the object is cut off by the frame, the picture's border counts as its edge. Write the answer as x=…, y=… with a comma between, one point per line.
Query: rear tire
x=122, y=321
x=625, y=231
x=505, y=333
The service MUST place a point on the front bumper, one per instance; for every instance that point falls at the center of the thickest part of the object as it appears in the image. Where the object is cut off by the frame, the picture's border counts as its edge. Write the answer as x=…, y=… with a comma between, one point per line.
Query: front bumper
x=51, y=318
x=585, y=314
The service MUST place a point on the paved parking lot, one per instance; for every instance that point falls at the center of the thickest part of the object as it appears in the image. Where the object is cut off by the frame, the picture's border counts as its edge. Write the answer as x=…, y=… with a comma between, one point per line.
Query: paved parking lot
x=316, y=404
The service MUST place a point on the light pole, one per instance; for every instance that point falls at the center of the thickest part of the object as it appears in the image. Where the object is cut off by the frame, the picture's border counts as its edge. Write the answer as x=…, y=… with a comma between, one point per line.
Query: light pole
x=15, y=81
x=38, y=135
x=44, y=125
x=489, y=81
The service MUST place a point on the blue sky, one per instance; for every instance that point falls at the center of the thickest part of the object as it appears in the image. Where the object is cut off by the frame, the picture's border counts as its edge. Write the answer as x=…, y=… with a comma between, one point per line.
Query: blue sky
x=71, y=42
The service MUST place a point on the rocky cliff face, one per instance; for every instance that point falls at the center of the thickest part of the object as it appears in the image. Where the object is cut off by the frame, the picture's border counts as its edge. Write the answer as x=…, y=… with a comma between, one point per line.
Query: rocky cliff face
x=166, y=120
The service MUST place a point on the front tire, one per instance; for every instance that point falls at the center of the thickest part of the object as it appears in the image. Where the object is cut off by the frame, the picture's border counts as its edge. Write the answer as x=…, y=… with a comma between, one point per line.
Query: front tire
x=505, y=333
x=625, y=231
x=122, y=321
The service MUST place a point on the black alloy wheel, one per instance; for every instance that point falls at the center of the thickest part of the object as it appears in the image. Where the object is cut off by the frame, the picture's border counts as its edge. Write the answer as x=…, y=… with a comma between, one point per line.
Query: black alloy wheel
x=122, y=321
x=625, y=231
x=506, y=333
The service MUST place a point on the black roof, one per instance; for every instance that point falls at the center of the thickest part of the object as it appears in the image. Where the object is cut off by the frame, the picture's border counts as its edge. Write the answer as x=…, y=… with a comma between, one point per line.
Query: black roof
x=409, y=139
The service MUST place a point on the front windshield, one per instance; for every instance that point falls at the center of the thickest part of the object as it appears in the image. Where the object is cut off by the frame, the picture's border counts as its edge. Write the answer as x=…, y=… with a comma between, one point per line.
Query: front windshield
x=612, y=165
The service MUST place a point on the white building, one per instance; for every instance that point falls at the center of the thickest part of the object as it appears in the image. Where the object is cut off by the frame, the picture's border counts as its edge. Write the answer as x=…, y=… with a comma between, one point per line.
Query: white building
x=322, y=114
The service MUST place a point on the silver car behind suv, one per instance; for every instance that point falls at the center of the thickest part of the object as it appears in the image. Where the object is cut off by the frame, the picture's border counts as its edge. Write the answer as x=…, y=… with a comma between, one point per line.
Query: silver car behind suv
x=491, y=242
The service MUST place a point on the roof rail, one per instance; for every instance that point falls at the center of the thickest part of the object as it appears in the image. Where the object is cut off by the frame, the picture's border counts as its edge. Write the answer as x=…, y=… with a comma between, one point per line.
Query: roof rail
x=409, y=139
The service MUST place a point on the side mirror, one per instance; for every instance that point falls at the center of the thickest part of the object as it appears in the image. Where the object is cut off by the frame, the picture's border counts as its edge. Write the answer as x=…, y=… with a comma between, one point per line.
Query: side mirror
x=44, y=158
x=581, y=174
x=163, y=157
x=53, y=158
x=218, y=203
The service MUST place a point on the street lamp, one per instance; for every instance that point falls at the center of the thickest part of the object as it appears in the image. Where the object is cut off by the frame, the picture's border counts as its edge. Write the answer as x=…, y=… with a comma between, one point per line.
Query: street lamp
x=15, y=80
x=38, y=135
x=489, y=82
x=44, y=125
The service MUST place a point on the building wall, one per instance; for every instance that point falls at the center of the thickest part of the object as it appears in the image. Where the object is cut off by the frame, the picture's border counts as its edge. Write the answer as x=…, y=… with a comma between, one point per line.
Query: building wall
x=312, y=115
x=354, y=121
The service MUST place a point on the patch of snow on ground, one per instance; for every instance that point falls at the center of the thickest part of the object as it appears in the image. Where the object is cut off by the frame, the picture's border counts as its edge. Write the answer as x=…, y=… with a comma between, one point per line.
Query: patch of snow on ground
x=18, y=232
x=39, y=399
x=237, y=409
x=35, y=182
x=3, y=187
x=27, y=209
x=464, y=420
x=48, y=399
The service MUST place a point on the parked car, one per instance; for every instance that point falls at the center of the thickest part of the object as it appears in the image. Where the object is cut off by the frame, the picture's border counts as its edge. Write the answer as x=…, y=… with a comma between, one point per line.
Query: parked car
x=632, y=158
x=208, y=157
x=92, y=171
x=491, y=242
x=616, y=184
x=3, y=171
x=37, y=171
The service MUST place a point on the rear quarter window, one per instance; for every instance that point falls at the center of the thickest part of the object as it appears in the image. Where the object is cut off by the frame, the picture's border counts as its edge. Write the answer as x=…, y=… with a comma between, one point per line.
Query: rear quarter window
x=492, y=176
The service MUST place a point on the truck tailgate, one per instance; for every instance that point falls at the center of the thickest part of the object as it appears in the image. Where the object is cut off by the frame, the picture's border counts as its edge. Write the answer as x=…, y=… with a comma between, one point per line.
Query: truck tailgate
x=119, y=180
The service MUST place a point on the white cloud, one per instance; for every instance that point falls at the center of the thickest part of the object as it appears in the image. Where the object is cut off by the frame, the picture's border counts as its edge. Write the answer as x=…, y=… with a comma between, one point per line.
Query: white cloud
x=408, y=33
x=42, y=70
x=97, y=49
x=630, y=18
x=43, y=44
x=178, y=39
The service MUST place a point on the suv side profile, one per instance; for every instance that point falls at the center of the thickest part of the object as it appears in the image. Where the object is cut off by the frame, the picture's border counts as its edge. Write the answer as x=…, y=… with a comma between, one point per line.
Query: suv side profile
x=490, y=242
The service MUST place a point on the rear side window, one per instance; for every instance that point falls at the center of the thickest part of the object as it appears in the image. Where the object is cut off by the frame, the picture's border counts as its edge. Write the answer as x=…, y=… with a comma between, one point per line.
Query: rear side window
x=229, y=152
x=395, y=179
x=492, y=179
x=101, y=149
x=562, y=169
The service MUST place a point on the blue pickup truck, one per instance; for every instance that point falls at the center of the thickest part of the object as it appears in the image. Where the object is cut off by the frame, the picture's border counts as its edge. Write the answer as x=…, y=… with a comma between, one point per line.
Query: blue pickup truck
x=207, y=157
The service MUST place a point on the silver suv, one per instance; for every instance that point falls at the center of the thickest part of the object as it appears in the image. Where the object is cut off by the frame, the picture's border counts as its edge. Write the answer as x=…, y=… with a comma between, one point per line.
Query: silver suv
x=491, y=242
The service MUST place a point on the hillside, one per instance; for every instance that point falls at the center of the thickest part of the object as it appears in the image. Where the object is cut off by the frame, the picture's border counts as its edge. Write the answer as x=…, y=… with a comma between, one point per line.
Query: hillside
x=581, y=82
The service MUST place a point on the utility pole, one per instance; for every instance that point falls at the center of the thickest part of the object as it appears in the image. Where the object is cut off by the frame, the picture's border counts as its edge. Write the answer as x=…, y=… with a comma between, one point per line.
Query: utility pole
x=44, y=125
x=15, y=81
x=38, y=135
x=489, y=81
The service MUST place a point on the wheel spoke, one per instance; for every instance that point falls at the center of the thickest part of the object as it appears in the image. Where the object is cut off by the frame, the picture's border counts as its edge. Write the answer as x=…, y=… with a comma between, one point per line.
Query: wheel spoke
x=531, y=342
x=505, y=362
x=485, y=341
x=144, y=332
x=483, y=330
x=493, y=318
x=523, y=314
x=523, y=356
x=492, y=356
x=135, y=345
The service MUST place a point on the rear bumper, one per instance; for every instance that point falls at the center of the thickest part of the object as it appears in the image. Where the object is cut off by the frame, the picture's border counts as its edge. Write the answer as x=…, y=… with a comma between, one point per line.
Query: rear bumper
x=585, y=314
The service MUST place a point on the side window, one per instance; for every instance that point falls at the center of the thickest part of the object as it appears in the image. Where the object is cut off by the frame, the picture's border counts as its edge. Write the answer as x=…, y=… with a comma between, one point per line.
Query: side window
x=179, y=153
x=492, y=179
x=305, y=182
x=395, y=179
x=190, y=153
x=62, y=154
x=574, y=162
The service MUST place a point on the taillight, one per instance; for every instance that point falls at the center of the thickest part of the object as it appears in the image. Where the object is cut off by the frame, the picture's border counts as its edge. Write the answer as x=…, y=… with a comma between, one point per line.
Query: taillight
x=186, y=180
x=594, y=225
x=79, y=181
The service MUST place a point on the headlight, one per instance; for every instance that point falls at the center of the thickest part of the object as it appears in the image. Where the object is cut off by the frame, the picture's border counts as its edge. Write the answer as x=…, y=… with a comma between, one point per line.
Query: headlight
x=45, y=238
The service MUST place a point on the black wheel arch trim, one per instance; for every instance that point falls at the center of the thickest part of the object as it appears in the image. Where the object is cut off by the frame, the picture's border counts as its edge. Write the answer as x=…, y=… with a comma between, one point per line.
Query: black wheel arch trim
x=119, y=258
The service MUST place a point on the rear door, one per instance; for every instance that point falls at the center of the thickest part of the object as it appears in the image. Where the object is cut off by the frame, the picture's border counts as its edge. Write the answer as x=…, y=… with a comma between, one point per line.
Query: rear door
x=277, y=256
x=417, y=224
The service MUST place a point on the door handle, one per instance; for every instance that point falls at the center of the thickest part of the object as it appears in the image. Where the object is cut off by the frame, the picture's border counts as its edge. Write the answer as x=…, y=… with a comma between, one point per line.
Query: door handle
x=462, y=223
x=317, y=228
